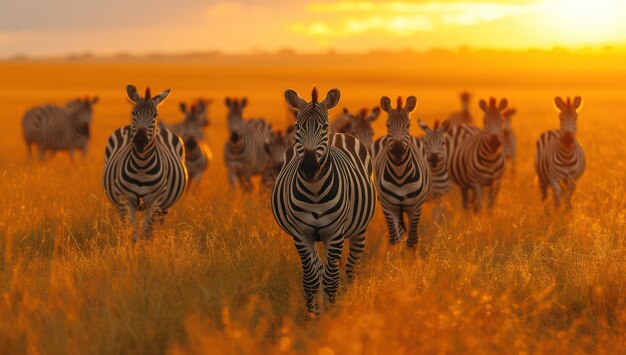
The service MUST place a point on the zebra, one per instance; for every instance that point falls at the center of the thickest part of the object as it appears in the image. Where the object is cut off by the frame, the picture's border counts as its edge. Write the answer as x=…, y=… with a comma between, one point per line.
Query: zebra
x=279, y=143
x=144, y=166
x=401, y=173
x=435, y=153
x=244, y=152
x=323, y=193
x=53, y=128
x=509, y=140
x=198, y=155
x=475, y=158
x=360, y=125
x=463, y=116
x=560, y=159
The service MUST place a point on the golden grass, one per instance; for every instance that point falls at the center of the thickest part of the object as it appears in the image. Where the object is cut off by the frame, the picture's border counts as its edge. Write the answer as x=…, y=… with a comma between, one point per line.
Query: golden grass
x=221, y=277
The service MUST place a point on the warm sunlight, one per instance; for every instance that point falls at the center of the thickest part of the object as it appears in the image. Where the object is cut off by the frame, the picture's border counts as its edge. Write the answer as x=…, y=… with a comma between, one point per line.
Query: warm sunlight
x=585, y=21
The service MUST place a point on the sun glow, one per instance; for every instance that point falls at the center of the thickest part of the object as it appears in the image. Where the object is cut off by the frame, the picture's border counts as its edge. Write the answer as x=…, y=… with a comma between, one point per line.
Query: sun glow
x=585, y=20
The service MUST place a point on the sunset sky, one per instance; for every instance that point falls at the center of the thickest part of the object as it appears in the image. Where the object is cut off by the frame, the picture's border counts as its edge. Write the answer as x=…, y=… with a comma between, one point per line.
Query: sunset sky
x=57, y=27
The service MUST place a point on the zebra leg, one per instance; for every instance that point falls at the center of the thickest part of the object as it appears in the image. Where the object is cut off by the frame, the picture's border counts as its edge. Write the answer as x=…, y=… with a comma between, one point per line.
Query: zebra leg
x=330, y=280
x=312, y=268
x=493, y=193
x=154, y=214
x=414, y=221
x=478, y=197
x=232, y=179
x=556, y=190
x=394, y=226
x=571, y=186
x=132, y=215
x=465, y=197
x=357, y=244
x=246, y=184
x=42, y=152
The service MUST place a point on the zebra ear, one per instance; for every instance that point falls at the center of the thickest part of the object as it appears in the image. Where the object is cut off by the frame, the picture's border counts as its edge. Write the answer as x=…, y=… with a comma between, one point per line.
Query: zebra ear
x=445, y=125
x=559, y=104
x=131, y=92
x=577, y=104
x=293, y=100
x=332, y=98
x=423, y=126
x=183, y=107
x=227, y=101
x=503, y=104
x=373, y=115
x=483, y=105
x=411, y=104
x=160, y=97
x=385, y=103
x=509, y=113
x=244, y=102
x=94, y=100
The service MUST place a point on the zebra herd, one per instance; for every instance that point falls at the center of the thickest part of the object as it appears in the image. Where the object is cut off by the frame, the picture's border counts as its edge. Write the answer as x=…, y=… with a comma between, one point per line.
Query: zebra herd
x=324, y=175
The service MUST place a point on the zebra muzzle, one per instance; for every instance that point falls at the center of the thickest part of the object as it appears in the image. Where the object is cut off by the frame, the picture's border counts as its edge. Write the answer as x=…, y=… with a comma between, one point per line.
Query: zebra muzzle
x=191, y=144
x=434, y=160
x=140, y=141
x=494, y=142
x=309, y=166
x=234, y=137
x=397, y=151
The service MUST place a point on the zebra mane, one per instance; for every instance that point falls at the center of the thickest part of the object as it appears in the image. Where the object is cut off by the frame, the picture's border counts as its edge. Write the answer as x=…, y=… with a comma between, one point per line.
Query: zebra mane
x=147, y=93
x=314, y=95
x=399, y=103
x=492, y=102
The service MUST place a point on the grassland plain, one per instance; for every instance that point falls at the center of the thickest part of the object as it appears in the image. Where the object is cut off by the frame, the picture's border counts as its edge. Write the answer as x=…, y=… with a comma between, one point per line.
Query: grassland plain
x=221, y=277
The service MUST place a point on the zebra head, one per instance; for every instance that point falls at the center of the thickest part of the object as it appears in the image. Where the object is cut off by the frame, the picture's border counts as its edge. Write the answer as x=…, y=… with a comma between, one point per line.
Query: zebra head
x=235, y=117
x=568, y=115
x=434, y=144
x=311, y=136
x=81, y=112
x=276, y=148
x=197, y=113
x=492, y=129
x=507, y=129
x=143, y=127
x=361, y=125
x=398, y=125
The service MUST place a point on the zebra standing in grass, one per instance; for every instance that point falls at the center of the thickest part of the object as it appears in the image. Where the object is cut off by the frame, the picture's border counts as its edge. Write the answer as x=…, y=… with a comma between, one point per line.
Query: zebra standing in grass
x=279, y=143
x=324, y=193
x=435, y=153
x=53, y=128
x=144, y=165
x=475, y=157
x=560, y=159
x=509, y=143
x=360, y=125
x=244, y=153
x=402, y=176
x=198, y=155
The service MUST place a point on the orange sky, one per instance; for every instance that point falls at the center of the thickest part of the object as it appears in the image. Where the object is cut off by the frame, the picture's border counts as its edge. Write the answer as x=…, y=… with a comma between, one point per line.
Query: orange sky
x=57, y=27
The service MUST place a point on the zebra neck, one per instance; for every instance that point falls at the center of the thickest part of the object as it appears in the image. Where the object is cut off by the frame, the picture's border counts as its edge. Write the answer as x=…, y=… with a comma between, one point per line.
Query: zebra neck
x=566, y=150
x=400, y=169
x=148, y=153
x=485, y=148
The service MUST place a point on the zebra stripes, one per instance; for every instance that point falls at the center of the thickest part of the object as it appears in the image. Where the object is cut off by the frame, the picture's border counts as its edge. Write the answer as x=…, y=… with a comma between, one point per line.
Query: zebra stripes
x=279, y=143
x=560, y=159
x=475, y=159
x=324, y=193
x=435, y=154
x=402, y=177
x=244, y=153
x=144, y=164
x=53, y=128
x=360, y=125
x=509, y=142
x=198, y=155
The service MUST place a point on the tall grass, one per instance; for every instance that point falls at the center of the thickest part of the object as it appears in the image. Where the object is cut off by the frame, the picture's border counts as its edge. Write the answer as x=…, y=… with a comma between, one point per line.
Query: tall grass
x=221, y=277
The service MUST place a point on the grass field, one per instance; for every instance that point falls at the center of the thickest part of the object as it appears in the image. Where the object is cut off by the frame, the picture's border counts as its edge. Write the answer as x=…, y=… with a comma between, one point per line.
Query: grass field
x=221, y=277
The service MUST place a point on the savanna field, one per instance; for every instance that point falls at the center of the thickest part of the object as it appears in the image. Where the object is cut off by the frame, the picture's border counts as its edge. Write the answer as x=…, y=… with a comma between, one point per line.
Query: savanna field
x=221, y=277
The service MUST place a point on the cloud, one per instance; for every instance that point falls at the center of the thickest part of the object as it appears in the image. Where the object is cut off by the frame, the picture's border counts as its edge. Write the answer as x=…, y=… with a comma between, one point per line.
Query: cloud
x=347, y=18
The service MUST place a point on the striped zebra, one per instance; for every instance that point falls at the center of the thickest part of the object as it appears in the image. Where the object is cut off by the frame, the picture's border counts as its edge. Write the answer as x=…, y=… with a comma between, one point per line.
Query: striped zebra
x=463, y=116
x=53, y=128
x=279, y=143
x=560, y=159
x=144, y=167
x=198, y=155
x=360, y=125
x=244, y=152
x=435, y=153
x=324, y=193
x=475, y=158
x=401, y=173
x=509, y=142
